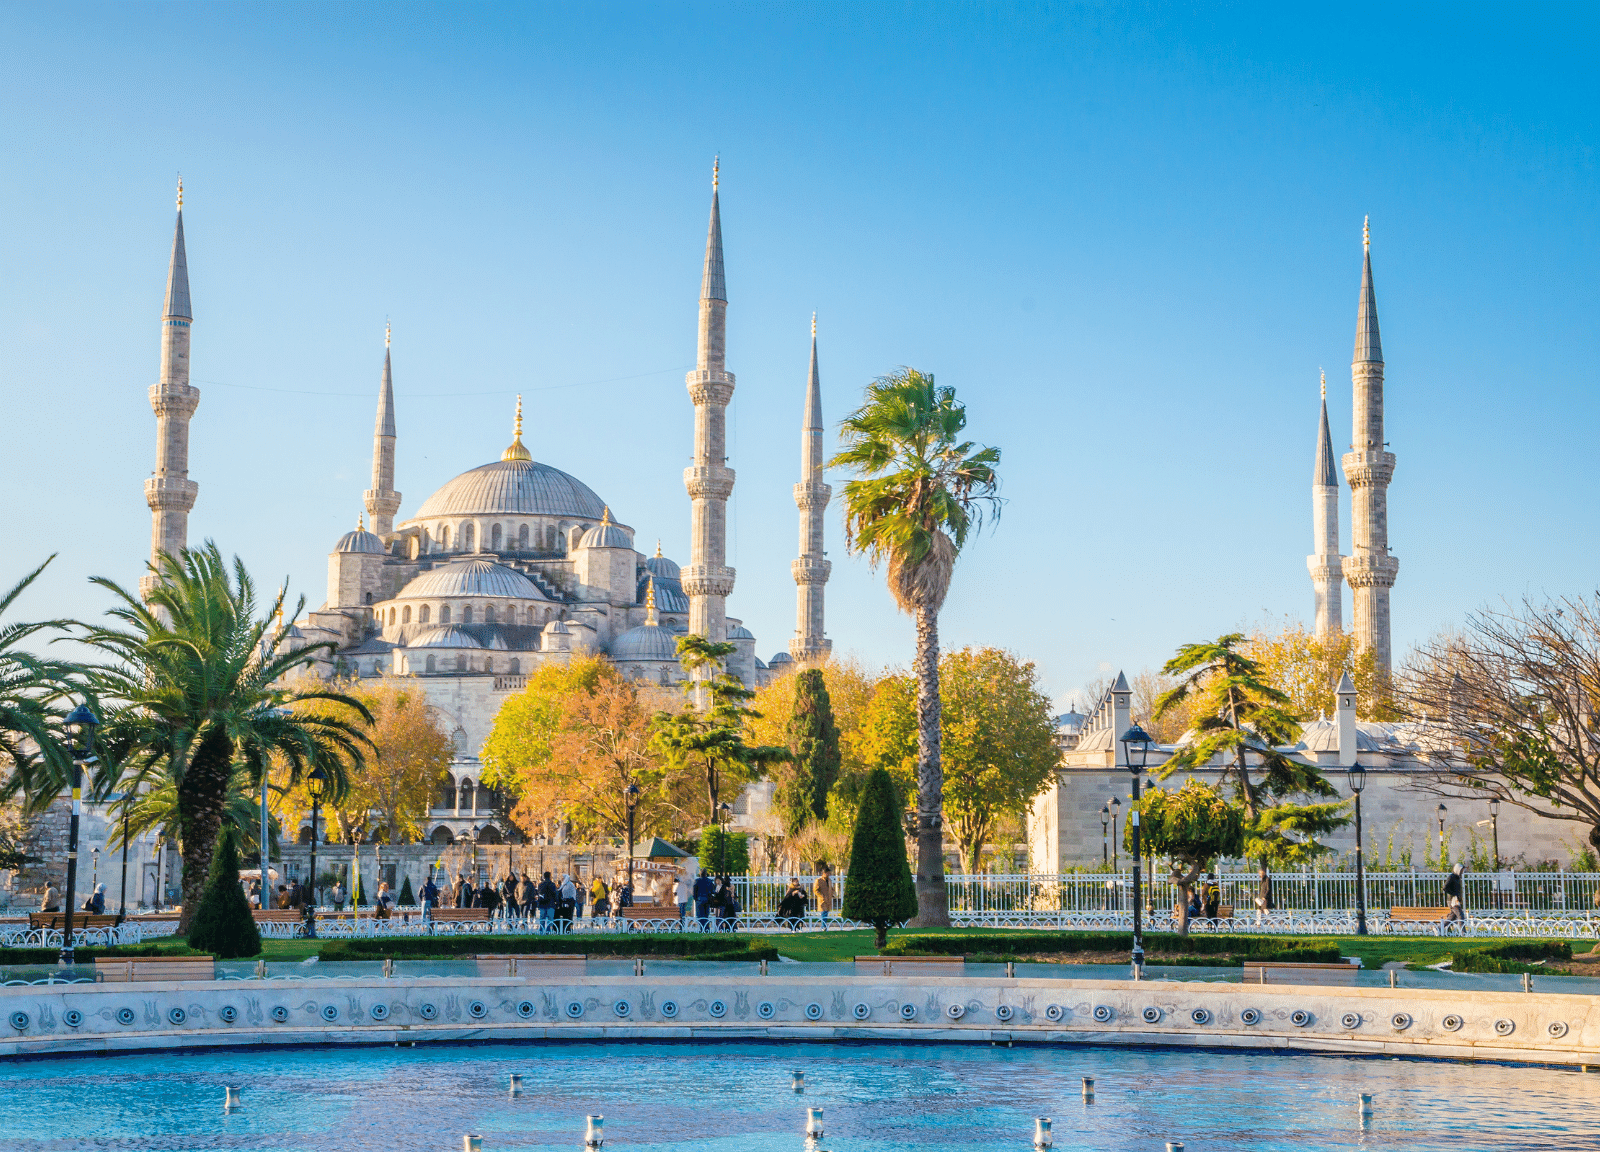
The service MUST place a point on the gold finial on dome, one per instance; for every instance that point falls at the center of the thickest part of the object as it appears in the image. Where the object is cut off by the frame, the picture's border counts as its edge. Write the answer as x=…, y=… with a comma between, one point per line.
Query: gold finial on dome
x=650, y=603
x=605, y=517
x=517, y=451
x=361, y=521
x=658, y=552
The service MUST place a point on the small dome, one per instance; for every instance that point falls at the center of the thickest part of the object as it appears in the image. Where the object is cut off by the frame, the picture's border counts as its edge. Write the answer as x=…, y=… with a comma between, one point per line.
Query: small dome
x=605, y=535
x=445, y=637
x=557, y=628
x=646, y=642
x=780, y=658
x=472, y=578
x=360, y=540
x=1071, y=720
x=740, y=632
x=662, y=568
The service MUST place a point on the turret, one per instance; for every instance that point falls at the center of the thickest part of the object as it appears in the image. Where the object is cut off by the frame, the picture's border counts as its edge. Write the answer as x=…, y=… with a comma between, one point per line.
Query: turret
x=381, y=500
x=1327, y=579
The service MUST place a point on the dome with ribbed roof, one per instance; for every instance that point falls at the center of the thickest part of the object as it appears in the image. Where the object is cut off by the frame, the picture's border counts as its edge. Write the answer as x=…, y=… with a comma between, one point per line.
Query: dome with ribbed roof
x=605, y=535
x=445, y=637
x=646, y=642
x=514, y=487
x=740, y=632
x=360, y=540
x=662, y=568
x=472, y=578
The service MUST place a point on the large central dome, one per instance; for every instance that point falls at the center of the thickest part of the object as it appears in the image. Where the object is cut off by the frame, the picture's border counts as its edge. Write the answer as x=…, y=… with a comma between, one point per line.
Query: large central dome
x=514, y=487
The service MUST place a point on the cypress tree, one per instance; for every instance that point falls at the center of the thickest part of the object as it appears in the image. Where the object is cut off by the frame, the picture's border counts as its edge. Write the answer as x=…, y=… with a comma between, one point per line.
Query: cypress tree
x=407, y=898
x=813, y=740
x=223, y=925
x=878, y=888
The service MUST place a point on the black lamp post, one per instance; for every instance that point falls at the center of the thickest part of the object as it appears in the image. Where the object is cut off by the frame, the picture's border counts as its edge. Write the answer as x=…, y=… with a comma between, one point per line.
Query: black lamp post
x=122, y=900
x=316, y=785
x=630, y=796
x=1135, y=750
x=1357, y=776
x=81, y=724
x=1116, y=822
x=724, y=810
x=1105, y=835
x=1494, y=831
x=1441, y=811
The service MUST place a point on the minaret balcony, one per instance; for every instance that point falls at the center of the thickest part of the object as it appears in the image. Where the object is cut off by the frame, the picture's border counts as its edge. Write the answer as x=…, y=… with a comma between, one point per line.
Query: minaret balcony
x=165, y=493
x=170, y=399
x=714, y=481
x=810, y=570
x=1368, y=469
x=707, y=579
x=1366, y=570
x=707, y=386
x=809, y=496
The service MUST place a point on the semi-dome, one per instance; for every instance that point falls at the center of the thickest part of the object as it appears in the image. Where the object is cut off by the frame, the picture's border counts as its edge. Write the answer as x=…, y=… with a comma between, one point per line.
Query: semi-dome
x=605, y=535
x=472, y=578
x=445, y=637
x=646, y=642
x=515, y=488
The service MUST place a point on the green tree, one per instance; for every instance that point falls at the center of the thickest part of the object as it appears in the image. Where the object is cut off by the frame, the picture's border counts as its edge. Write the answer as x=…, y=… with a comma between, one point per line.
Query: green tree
x=407, y=897
x=878, y=888
x=813, y=739
x=34, y=757
x=206, y=687
x=154, y=808
x=920, y=490
x=223, y=924
x=1239, y=717
x=1190, y=827
x=724, y=851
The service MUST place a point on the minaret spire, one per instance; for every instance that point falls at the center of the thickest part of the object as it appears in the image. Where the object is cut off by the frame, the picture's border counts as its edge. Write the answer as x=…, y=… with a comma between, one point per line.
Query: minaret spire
x=811, y=494
x=1324, y=562
x=1368, y=468
x=381, y=500
x=169, y=492
x=707, y=579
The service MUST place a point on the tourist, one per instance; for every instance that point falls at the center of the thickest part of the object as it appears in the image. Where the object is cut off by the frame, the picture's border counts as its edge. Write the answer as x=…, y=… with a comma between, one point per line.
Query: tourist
x=430, y=896
x=822, y=890
x=337, y=896
x=599, y=898
x=1213, y=900
x=792, y=908
x=704, y=889
x=566, y=903
x=527, y=893
x=254, y=894
x=52, y=899
x=545, y=901
x=461, y=892
x=728, y=905
x=582, y=894
x=487, y=898
x=681, y=891
x=97, y=902
x=1453, y=891
x=383, y=904
x=282, y=897
x=508, y=895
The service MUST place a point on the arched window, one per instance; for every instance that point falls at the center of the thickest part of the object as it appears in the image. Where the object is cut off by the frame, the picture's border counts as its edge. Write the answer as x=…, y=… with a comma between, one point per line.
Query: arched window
x=442, y=835
x=444, y=537
x=432, y=668
x=466, y=614
x=489, y=834
x=405, y=614
x=466, y=536
x=369, y=597
x=304, y=837
x=488, y=614
x=495, y=538
x=422, y=614
x=488, y=664
x=522, y=538
x=444, y=614
x=516, y=666
x=461, y=663
x=391, y=615
x=665, y=678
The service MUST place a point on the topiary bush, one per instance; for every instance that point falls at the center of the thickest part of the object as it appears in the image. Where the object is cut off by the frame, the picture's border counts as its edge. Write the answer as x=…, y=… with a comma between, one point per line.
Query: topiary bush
x=223, y=925
x=880, y=890
x=407, y=898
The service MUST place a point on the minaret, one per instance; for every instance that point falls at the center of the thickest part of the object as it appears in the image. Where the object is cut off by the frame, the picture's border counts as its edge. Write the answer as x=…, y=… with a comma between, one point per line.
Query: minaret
x=381, y=499
x=707, y=578
x=811, y=494
x=1369, y=570
x=1324, y=562
x=169, y=491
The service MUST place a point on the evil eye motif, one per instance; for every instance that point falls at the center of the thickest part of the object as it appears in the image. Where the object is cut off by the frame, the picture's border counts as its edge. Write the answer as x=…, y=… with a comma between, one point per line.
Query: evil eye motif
x=379, y=1011
x=1200, y=1016
x=908, y=1011
x=1299, y=1017
x=574, y=1010
x=1054, y=1013
x=1452, y=1023
x=477, y=1009
x=1250, y=1016
x=1400, y=1021
x=19, y=1021
x=956, y=1011
x=227, y=1013
x=330, y=1012
x=622, y=1008
x=126, y=1016
x=669, y=1009
x=766, y=1009
x=72, y=1018
x=1350, y=1021
x=861, y=1011
x=1152, y=1015
x=1103, y=1014
x=525, y=1008
x=718, y=1009
x=429, y=1011
x=177, y=1015
x=280, y=1014
x=1004, y=1013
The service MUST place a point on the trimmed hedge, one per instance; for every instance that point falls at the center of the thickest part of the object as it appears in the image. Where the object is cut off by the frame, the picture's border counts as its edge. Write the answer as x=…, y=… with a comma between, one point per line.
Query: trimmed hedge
x=88, y=955
x=688, y=947
x=1512, y=956
x=1309, y=954
x=1244, y=947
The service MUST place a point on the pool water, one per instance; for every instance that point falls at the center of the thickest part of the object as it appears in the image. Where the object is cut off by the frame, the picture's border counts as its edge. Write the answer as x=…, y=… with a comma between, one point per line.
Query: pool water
x=736, y=1097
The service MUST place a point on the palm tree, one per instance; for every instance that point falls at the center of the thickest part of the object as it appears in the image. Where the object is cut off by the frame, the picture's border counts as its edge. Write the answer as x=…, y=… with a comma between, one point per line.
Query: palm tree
x=920, y=491
x=203, y=693
x=31, y=742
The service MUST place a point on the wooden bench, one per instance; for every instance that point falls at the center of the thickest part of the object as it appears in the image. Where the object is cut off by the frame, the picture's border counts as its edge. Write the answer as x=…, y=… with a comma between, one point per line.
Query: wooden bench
x=277, y=915
x=119, y=971
x=56, y=921
x=533, y=964
x=1419, y=915
x=457, y=915
x=911, y=965
x=649, y=912
x=1271, y=972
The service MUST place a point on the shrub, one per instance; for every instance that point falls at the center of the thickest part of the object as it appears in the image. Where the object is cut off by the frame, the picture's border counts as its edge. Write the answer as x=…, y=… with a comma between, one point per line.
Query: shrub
x=1270, y=948
x=881, y=891
x=407, y=898
x=223, y=925
x=727, y=852
x=1512, y=956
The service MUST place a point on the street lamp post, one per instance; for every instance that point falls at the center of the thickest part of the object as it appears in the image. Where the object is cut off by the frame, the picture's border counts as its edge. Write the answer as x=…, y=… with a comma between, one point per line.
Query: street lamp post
x=1105, y=835
x=316, y=785
x=94, y=876
x=724, y=810
x=81, y=724
x=1135, y=750
x=1441, y=812
x=1357, y=776
x=1494, y=831
x=630, y=797
x=122, y=900
x=1116, y=822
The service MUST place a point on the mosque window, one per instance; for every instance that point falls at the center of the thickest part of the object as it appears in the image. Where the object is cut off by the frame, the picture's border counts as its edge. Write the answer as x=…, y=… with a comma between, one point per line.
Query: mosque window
x=444, y=537
x=488, y=664
x=522, y=538
x=422, y=614
x=488, y=614
x=461, y=663
x=444, y=614
x=465, y=537
x=495, y=538
x=466, y=614
x=516, y=666
x=405, y=614
x=550, y=539
x=432, y=667
x=369, y=597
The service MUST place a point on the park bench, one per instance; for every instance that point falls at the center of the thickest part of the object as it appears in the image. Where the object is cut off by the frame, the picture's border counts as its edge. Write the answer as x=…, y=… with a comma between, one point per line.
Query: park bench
x=910, y=965
x=1419, y=915
x=459, y=916
x=277, y=915
x=56, y=921
x=1286, y=972
x=533, y=965
x=649, y=912
x=121, y=971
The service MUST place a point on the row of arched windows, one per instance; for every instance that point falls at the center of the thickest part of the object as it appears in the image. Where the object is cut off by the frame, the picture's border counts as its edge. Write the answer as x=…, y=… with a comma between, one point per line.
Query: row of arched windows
x=465, y=663
x=463, y=537
x=533, y=616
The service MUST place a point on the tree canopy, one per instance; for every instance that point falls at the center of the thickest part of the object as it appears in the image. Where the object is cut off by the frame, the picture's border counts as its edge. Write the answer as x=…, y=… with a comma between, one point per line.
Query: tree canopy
x=1191, y=827
x=878, y=888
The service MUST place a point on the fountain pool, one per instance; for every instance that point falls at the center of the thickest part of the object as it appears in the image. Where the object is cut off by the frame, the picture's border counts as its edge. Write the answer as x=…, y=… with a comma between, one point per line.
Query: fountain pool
x=737, y=1097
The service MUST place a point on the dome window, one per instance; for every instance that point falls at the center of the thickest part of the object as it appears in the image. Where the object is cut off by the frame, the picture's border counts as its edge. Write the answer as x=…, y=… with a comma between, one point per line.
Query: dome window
x=422, y=614
x=522, y=538
x=466, y=614
x=444, y=614
x=516, y=666
x=432, y=668
x=405, y=614
x=461, y=663
x=495, y=538
x=488, y=614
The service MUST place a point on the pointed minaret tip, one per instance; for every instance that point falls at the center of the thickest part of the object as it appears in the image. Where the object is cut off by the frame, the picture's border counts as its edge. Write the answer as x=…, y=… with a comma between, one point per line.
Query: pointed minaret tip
x=716, y=169
x=1366, y=233
x=813, y=325
x=1324, y=376
x=388, y=333
x=180, y=191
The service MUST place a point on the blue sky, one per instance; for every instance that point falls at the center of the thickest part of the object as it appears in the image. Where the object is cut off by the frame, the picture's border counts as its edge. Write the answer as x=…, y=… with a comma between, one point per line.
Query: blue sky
x=1128, y=236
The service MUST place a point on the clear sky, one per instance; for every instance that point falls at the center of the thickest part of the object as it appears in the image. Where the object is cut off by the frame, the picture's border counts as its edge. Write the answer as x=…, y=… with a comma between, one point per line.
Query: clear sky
x=1128, y=236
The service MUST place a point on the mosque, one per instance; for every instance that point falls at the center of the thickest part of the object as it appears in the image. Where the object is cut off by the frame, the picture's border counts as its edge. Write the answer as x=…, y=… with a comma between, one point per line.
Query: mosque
x=516, y=563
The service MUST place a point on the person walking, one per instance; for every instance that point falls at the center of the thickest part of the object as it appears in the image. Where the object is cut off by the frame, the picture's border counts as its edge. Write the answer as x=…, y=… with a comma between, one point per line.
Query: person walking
x=682, y=891
x=1454, y=890
x=546, y=903
x=822, y=890
x=487, y=898
x=599, y=898
x=792, y=908
x=704, y=889
x=383, y=903
x=337, y=896
x=508, y=895
x=460, y=893
x=430, y=896
x=527, y=894
x=566, y=903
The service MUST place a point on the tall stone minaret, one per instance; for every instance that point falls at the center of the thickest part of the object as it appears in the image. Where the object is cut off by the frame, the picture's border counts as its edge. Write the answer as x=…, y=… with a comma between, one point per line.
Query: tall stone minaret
x=1368, y=467
x=1324, y=562
x=381, y=499
x=169, y=491
x=707, y=580
x=811, y=494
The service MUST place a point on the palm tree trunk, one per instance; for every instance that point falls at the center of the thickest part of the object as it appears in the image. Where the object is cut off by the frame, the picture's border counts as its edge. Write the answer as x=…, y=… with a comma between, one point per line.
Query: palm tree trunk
x=933, y=899
x=202, y=798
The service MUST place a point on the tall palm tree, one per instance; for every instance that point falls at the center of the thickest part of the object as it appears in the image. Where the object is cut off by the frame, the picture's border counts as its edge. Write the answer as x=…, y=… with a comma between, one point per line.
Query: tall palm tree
x=31, y=741
x=920, y=491
x=203, y=692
